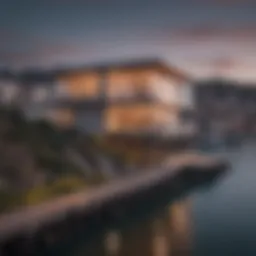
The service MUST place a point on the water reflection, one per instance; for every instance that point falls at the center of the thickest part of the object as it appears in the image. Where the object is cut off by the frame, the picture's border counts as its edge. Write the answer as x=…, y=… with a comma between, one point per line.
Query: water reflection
x=225, y=216
x=167, y=233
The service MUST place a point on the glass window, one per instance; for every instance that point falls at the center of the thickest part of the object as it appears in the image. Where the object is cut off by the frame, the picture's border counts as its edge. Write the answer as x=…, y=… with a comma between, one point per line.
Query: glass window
x=164, y=89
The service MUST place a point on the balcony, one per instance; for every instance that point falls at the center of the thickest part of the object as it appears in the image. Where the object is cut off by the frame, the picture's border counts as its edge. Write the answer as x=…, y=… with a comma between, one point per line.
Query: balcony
x=141, y=97
x=167, y=130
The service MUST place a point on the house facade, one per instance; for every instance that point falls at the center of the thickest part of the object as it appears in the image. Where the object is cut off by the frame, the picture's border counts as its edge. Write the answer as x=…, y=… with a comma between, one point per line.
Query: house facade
x=145, y=97
x=139, y=97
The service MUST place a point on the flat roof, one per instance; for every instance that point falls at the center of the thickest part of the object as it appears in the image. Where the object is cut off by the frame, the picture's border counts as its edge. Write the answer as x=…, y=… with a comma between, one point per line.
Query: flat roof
x=130, y=64
x=42, y=75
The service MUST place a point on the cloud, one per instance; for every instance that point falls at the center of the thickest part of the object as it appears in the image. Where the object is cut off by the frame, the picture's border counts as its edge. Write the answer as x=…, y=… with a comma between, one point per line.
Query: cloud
x=224, y=63
x=39, y=54
x=9, y=36
x=188, y=2
x=47, y=49
x=80, y=2
x=225, y=2
x=208, y=33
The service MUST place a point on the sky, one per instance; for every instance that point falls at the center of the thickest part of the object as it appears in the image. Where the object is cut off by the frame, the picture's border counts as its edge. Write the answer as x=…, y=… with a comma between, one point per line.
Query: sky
x=204, y=38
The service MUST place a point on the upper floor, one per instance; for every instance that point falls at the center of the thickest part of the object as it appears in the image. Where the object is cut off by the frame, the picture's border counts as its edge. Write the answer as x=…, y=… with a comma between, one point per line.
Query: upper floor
x=149, y=81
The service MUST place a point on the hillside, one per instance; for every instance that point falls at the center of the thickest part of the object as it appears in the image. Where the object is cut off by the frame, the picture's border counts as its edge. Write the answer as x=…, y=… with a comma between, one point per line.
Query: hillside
x=38, y=161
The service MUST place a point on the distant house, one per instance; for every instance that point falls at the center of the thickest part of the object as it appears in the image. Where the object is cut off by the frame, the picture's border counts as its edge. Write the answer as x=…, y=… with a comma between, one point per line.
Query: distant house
x=9, y=87
x=138, y=97
x=225, y=107
x=29, y=91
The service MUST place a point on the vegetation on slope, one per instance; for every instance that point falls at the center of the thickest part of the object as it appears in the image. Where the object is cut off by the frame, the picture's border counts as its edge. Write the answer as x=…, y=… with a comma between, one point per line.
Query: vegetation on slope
x=34, y=164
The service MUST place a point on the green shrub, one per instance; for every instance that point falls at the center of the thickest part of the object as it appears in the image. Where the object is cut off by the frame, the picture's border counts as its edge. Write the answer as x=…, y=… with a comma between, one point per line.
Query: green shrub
x=62, y=186
x=36, y=196
x=67, y=184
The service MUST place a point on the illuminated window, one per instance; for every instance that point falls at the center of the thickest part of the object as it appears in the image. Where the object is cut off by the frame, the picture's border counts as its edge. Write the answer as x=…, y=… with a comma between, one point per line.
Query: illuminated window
x=164, y=89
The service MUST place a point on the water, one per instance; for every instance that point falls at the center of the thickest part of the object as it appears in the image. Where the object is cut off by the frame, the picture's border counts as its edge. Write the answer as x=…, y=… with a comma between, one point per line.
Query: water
x=225, y=215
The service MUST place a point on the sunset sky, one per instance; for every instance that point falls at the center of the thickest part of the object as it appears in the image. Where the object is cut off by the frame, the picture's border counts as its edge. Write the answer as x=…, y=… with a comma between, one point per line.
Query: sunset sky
x=202, y=37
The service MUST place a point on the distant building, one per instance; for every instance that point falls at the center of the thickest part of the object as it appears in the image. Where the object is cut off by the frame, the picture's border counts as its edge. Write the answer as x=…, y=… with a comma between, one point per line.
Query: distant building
x=225, y=107
x=30, y=91
x=145, y=97
x=9, y=87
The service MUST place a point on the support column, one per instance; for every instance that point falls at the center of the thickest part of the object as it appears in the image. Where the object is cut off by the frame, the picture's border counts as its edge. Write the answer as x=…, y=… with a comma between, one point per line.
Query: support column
x=113, y=242
x=151, y=237
x=103, y=83
x=169, y=234
x=95, y=248
x=107, y=244
x=162, y=234
x=181, y=236
x=138, y=241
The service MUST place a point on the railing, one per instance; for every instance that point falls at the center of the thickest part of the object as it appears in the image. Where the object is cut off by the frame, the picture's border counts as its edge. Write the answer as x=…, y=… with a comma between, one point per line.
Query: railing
x=169, y=130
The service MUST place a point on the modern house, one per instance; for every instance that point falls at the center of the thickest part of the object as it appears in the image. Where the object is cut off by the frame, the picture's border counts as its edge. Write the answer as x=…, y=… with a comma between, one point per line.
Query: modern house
x=138, y=97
